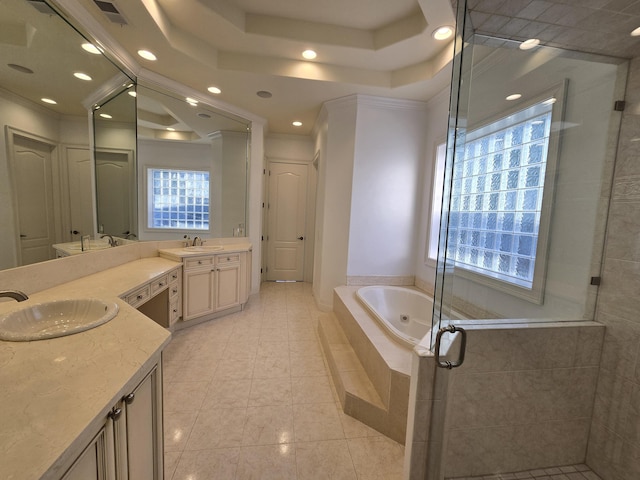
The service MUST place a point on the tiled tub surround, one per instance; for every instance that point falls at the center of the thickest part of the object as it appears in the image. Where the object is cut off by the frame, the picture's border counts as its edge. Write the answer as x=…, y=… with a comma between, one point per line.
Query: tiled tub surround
x=56, y=393
x=522, y=400
x=371, y=371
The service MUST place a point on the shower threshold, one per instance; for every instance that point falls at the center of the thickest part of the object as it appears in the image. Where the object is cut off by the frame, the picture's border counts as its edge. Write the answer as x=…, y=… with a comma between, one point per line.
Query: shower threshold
x=569, y=472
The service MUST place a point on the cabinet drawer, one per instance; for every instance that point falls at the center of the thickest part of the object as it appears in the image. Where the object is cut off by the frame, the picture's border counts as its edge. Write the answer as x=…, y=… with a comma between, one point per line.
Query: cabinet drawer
x=231, y=258
x=159, y=284
x=175, y=310
x=174, y=291
x=138, y=297
x=174, y=276
x=198, y=262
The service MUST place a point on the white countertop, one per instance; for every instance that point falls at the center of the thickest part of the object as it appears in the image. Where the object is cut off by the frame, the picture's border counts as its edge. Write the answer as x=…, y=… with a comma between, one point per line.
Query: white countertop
x=55, y=393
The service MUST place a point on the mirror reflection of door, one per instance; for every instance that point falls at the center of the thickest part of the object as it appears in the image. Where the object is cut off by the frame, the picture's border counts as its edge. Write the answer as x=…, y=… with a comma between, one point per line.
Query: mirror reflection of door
x=33, y=184
x=80, y=202
x=114, y=174
x=287, y=217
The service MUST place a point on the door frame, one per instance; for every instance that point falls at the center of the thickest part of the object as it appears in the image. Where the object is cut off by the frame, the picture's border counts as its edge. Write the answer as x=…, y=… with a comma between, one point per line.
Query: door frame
x=309, y=228
x=56, y=187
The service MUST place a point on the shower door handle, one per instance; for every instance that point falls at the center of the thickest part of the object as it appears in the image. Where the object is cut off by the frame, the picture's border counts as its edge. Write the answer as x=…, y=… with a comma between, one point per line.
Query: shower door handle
x=463, y=346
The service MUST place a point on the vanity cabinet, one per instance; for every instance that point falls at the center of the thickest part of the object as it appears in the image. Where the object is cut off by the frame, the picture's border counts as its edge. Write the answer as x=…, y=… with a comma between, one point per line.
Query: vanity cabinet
x=214, y=283
x=96, y=460
x=129, y=444
x=160, y=299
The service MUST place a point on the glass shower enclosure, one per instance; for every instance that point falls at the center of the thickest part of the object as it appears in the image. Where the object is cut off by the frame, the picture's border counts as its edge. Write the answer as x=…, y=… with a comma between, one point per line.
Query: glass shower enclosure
x=531, y=149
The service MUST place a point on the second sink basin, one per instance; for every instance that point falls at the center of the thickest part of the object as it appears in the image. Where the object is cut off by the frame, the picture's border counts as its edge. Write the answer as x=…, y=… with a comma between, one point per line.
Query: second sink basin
x=204, y=248
x=55, y=319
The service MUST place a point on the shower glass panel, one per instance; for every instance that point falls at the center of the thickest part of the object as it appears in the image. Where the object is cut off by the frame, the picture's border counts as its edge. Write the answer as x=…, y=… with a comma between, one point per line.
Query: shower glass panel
x=530, y=154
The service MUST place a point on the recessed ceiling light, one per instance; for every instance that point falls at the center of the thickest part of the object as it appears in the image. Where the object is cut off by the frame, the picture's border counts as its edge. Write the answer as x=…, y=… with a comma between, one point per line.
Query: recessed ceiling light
x=297, y=124
x=636, y=32
x=171, y=129
x=549, y=101
x=147, y=55
x=309, y=54
x=192, y=101
x=49, y=101
x=105, y=115
x=133, y=93
x=204, y=115
x=82, y=76
x=529, y=44
x=442, y=33
x=514, y=96
x=19, y=68
x=264, y=94
x=91, y=48
x=215, y=90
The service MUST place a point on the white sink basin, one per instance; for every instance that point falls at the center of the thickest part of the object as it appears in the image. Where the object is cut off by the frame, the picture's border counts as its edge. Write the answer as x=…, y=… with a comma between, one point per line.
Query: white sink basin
x=93, y=245
x=204, y=248
x=55, y=319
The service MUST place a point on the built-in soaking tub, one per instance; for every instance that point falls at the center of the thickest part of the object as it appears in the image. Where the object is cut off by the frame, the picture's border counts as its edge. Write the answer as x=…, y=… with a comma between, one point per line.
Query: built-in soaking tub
x=405, y=313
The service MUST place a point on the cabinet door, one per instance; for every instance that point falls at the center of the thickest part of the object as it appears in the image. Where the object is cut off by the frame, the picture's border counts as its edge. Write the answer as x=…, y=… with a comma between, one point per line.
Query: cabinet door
x=228, y=286
x=198, y=292
x=93, y=462
x=143, y=409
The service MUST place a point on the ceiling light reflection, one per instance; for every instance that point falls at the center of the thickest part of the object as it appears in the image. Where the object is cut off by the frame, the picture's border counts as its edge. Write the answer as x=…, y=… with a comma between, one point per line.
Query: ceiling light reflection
x=147, y=55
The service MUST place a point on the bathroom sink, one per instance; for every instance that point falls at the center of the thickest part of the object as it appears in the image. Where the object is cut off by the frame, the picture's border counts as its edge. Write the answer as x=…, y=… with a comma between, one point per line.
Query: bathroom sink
x=55, y=319
x=93, y=245
x=204, y=248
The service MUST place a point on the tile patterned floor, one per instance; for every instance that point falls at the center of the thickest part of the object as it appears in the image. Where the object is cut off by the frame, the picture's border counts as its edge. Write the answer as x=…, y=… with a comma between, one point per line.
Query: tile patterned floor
x=248, y=396
x=569, y=472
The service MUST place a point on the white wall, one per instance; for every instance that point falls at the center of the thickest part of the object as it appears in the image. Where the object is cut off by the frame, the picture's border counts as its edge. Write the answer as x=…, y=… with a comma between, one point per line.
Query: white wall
x=371, y=154
x=336, y=137
x=435, y=134
x=389, y=152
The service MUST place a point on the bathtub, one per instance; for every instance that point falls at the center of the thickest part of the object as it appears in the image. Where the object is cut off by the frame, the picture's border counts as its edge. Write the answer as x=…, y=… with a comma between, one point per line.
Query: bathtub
x=405, y=313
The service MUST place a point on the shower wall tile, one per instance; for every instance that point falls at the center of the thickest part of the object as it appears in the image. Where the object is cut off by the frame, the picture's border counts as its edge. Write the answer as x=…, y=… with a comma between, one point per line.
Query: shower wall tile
x=624, y=225
x=523, y=399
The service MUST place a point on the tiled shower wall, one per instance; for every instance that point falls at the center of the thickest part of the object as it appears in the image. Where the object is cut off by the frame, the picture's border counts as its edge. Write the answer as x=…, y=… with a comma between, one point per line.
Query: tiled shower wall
x=522, y=399
x=614, y=443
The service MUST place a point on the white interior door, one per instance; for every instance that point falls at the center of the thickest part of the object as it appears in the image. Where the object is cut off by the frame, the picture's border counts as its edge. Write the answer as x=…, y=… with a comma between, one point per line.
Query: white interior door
x=287, y=215
x=80, y=187
x=113, y=187
x=33, y=186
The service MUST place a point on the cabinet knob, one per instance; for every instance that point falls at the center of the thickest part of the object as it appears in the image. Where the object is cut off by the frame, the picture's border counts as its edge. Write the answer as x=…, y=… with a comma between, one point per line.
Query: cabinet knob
x=115, y=413
x=175, y=290
x=199, y=262
x=128, y=399
x=161, y=284
x=140, y=297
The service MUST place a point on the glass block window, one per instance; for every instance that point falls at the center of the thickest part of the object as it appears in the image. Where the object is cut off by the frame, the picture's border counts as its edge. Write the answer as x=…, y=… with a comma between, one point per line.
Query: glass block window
x=496, y=198
x=178, y=199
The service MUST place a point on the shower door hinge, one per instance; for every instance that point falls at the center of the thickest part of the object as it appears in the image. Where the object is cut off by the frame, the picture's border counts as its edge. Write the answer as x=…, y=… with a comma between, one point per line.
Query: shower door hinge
x=619, y=105
x=596, y=280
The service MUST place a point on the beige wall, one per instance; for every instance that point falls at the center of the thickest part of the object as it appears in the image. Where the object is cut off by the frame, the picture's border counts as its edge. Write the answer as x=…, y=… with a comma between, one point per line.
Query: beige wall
x=614, y=446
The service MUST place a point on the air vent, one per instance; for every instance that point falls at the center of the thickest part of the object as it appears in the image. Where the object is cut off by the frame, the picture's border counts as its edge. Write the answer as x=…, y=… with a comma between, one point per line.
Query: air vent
x=42, y=6
x=111, y=11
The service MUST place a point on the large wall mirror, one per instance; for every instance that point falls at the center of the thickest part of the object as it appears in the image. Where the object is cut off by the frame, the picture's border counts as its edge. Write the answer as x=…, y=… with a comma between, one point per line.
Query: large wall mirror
x=48, y=82
x=192, y=168
x=51, y=191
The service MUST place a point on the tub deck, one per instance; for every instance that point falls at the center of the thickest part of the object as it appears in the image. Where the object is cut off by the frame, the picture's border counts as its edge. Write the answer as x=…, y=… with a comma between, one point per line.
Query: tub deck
x=371, y=371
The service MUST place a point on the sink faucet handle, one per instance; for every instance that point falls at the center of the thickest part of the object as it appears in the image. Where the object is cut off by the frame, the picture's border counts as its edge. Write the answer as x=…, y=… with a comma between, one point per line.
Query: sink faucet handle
x=17, y=295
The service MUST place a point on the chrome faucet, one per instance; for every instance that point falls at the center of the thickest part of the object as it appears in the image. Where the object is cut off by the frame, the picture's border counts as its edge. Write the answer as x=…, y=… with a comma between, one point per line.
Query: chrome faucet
x=17, y=295
x=197, y=241
x=112, y=242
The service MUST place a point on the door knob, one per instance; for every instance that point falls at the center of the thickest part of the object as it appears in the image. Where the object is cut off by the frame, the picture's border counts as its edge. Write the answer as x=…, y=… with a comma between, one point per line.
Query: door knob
x=300, y=238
